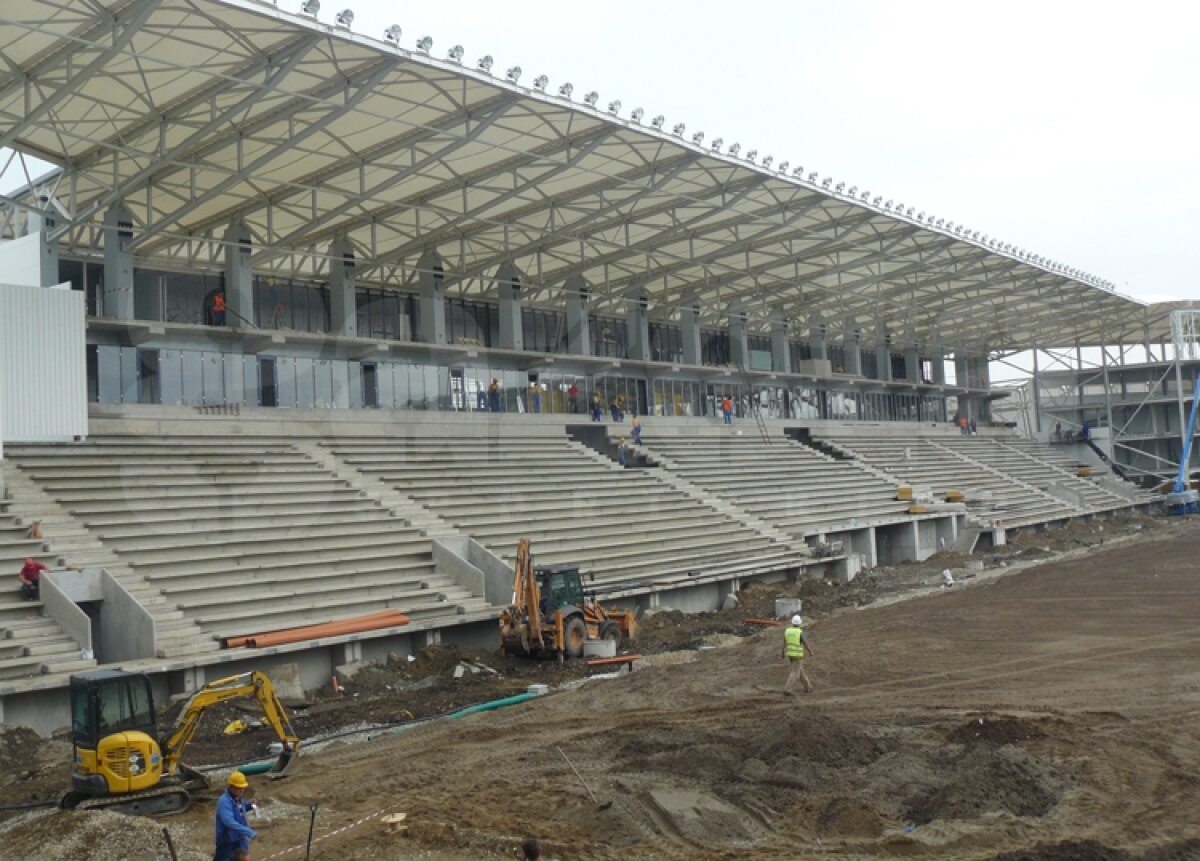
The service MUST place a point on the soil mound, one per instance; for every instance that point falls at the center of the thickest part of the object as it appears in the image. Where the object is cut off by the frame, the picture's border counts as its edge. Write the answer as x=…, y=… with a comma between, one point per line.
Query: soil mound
x=850, y=817
x=813, y=737
x=94, y=835
x=1070, y=850
x=986, y=780
x=996, y=729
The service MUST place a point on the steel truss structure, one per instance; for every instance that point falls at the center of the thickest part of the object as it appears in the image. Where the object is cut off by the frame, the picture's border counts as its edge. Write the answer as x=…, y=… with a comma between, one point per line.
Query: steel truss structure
x=198, y=114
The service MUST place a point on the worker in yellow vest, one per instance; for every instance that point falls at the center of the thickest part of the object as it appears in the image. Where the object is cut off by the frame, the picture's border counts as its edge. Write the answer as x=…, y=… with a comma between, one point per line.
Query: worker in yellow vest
x=794, y=643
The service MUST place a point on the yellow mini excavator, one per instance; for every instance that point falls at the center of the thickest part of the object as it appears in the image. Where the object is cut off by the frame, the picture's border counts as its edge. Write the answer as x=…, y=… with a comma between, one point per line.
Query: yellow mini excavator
x=551, y=614
x=119, y=763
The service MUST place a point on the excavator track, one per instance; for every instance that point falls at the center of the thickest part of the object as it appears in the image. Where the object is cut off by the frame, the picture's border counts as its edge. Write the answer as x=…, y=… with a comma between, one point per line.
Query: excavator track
x=160, y=801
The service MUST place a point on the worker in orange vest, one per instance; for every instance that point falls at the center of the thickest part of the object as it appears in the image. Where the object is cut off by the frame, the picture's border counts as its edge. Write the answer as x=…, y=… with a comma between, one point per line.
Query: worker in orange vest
x=218, y=310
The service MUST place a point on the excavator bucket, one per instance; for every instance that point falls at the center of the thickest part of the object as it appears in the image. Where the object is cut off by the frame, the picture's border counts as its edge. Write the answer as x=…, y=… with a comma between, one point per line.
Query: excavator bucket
x=284, y=764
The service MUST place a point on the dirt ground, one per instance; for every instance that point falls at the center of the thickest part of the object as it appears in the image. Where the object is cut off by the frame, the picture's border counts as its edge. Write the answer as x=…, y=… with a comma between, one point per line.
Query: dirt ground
x=1034, y=711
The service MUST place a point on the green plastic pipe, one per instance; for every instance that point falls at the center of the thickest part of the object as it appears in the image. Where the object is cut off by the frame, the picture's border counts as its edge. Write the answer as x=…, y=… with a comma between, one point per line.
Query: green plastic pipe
x=262, y=766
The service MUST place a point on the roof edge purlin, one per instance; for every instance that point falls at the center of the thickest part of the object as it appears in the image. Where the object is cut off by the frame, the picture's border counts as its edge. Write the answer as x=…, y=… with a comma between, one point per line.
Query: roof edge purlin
x=847, y=254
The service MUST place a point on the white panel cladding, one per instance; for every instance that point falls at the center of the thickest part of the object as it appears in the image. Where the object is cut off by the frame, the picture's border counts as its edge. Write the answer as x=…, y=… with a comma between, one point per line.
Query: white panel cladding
x=43, y=365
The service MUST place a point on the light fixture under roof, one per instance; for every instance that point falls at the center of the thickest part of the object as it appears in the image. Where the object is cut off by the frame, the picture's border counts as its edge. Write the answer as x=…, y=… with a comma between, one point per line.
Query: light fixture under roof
x=424, y=44
x=752, y=155
x=392, y=34
x=614, y=107
x=485, y=63
x=566, y=89
x=540, y=82
x=717, y=143
x=591, y=98
x=310, y=8
x=767, y=160
x=812, y=177
x=658, y=121
x=513, y=74
x=344, y=19
x=784, y=165
x=456, y=53
x=735, y=148
x=698, y=138
x=636, y=115
x=798, y=172
x=679, y=129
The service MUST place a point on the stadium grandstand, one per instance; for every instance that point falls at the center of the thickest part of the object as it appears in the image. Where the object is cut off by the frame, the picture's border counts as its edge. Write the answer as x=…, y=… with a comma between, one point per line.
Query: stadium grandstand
x=306, y=324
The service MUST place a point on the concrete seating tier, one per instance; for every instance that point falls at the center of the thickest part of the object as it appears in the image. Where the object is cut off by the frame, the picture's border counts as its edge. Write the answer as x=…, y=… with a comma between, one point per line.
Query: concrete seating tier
x=30, y=643
x=1023, y=463
x=244, y=535
x=788, y=485
x=622, y=526
x=930, y=462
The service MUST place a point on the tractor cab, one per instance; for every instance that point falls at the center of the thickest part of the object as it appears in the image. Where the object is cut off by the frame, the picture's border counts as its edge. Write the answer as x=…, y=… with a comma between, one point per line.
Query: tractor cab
x=561, y=586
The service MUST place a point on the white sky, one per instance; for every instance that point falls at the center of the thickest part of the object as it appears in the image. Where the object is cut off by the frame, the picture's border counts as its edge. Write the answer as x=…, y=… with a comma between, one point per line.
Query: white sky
x=1067, y=128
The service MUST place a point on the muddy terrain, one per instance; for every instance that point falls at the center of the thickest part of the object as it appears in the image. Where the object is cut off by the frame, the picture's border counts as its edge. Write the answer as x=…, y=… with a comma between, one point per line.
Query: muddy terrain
x=1043, y=708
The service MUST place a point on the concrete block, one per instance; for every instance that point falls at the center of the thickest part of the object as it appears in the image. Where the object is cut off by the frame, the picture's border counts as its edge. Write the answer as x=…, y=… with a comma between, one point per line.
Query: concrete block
x=345, y=673
x=785, y=608
x=286, y=680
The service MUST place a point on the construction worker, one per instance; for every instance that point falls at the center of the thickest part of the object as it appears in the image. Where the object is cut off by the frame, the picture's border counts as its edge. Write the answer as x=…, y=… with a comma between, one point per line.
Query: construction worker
x=794, y=641
x=30, y=576
x=727, y=409
x=232, y=832
x=218, y=310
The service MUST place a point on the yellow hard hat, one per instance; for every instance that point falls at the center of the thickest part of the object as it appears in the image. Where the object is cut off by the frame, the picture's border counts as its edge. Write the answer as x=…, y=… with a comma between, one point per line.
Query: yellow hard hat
x=238, y=779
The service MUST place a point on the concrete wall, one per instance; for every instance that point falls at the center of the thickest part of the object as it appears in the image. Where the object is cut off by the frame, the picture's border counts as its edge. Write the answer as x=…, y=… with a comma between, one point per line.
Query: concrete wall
x=58, y=590
x=126, y=628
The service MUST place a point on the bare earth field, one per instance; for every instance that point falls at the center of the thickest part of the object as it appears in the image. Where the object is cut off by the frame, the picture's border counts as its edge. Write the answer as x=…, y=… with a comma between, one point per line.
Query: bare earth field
x=1050, y=713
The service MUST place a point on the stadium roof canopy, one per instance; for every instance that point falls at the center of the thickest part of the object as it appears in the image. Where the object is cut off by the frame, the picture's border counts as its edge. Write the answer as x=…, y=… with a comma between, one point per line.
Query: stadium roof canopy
x=199, y=113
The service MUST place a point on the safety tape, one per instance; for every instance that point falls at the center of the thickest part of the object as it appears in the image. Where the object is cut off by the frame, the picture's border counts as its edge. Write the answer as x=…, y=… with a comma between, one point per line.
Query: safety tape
x=329, y=834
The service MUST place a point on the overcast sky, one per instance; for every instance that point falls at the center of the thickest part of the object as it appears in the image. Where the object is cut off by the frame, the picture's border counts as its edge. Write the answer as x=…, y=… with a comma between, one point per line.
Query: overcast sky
x=1070, y=129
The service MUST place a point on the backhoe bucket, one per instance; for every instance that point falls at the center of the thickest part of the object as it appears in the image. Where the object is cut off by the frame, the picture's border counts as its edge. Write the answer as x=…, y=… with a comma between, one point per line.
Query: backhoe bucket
x=284, y=765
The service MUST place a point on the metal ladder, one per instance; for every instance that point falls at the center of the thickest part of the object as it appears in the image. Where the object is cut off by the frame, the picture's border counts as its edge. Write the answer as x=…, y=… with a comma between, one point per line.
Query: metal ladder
x=754, y=406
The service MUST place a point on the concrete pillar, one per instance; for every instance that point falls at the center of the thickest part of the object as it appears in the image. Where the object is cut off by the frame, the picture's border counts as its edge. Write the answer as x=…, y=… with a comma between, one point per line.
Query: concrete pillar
x=42, y=223
x=118, y=264
x=689, y=329
x=852, y=348
x=962, y=374
x=239, y=279
x=883, y=353
x=739, y=338
x=508, y=286
x=343, y=306
x=816, y=337
x=781, y=349
x=937, y=358
x=579, y=341
x=433, y=298
x=912, y=363
x=637, y=328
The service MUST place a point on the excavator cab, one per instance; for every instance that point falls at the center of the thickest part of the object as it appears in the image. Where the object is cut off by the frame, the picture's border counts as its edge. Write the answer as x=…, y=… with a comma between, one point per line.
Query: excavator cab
x=114, y=734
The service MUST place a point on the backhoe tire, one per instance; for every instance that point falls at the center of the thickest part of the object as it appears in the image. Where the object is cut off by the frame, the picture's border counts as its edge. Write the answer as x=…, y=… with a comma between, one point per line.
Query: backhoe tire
x=574, y=636
x=610, y=630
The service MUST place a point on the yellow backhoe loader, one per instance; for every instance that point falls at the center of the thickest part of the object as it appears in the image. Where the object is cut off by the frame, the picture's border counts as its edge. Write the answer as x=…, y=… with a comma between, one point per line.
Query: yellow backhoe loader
x=550, y=613
x=119, y=763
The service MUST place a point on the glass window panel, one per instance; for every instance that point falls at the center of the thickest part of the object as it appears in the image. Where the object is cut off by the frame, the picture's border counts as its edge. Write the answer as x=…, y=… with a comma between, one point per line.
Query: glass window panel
x=305, y=384
x=213, y=368
x=193, y=376
x=285, y=381
x=322, y=384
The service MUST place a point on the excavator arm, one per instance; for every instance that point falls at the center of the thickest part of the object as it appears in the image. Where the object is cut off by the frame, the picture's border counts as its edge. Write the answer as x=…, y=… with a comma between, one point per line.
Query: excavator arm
x=254, y=684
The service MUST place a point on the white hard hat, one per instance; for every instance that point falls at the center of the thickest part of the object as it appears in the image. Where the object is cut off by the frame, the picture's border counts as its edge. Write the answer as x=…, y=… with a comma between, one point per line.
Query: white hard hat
x=797, y=621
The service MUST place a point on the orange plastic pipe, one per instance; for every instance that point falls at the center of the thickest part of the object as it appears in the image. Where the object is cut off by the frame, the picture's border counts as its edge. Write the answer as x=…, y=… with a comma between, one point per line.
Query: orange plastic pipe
x=354, y=625
x=235, y=642
x=770, y=623
x=619, y=659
